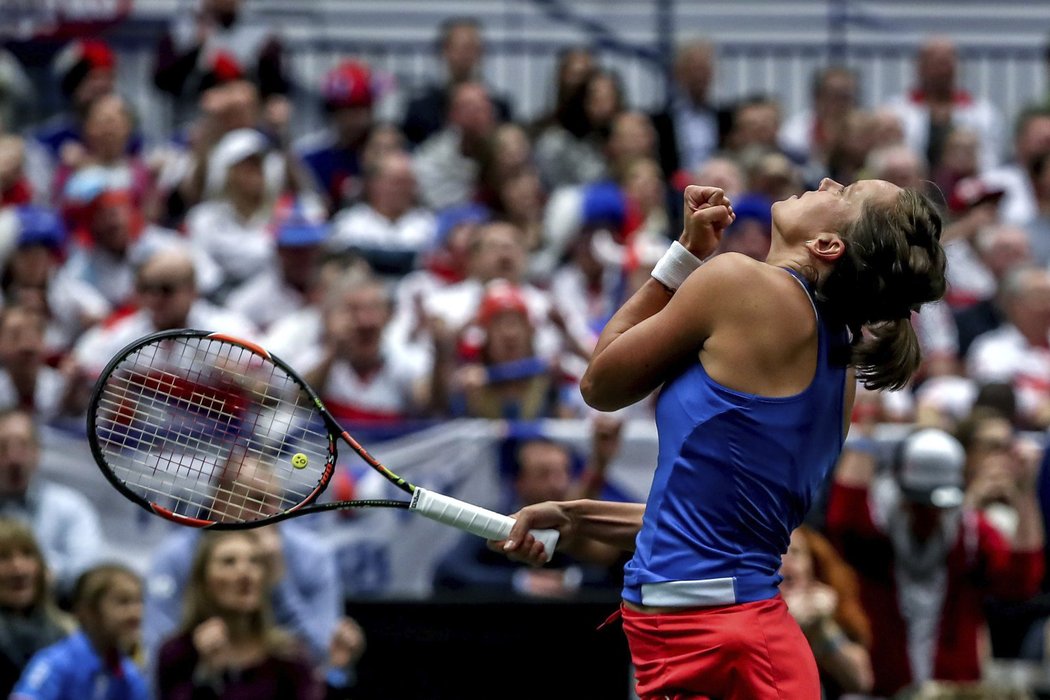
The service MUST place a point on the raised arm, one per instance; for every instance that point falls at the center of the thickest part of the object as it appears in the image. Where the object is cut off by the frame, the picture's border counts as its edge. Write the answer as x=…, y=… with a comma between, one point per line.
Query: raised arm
x=659, y=327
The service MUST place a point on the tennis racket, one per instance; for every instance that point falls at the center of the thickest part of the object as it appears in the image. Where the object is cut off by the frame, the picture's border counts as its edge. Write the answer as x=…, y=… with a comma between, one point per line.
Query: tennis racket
x=213, y=431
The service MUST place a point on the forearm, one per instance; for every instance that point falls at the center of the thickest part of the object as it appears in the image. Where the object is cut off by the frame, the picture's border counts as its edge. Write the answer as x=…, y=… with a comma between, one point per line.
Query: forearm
x=608, y=523
x=1029, y=536
x=843, y=659
x=605, y=385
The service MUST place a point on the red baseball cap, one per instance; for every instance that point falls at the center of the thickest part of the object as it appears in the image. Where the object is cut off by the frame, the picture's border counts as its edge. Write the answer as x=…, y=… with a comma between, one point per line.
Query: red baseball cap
x=971, y=191
x=501, y=296
x=348, y=85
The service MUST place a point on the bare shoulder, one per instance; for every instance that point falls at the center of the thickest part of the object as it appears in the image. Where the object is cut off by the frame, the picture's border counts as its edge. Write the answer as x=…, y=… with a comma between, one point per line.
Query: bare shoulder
x=740, y=280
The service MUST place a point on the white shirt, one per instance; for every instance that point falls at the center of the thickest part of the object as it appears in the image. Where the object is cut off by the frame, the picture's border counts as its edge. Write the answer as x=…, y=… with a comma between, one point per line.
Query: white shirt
x=385, y=395
x=102, y=342
x=1003, y=355
x=265, y=298
x=977, y=115
x=361, y=226
x=241, y=248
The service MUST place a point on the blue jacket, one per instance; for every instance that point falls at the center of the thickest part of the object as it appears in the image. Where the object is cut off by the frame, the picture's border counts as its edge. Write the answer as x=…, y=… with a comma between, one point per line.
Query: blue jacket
x=71, y=670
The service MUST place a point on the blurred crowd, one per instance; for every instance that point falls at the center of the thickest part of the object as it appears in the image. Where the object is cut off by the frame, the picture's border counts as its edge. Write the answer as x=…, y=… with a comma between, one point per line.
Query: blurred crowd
x=450, y=258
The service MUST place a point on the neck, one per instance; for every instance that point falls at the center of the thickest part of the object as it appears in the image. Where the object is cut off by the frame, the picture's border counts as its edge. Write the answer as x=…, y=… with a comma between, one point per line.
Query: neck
x=793, y=258
x=241, y=627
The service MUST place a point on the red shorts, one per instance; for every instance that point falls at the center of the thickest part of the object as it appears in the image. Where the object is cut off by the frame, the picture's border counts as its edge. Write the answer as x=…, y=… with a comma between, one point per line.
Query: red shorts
x=750, y=651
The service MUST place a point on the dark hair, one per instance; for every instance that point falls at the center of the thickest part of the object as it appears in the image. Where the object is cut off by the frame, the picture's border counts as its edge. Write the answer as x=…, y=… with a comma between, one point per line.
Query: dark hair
x=892, y=265
x=572, y=114
x=450, y=24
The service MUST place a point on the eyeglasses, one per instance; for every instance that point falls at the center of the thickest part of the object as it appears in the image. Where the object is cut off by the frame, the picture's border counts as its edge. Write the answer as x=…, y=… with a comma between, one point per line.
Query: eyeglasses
x=160, y=287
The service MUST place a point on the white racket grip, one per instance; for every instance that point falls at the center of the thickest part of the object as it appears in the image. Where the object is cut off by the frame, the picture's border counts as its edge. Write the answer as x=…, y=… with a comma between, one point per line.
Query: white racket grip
x=473, y=519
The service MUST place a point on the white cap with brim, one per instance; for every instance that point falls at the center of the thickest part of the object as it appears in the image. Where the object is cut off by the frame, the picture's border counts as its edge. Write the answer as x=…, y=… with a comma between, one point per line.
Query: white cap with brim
x=931, y=469
x=231, y=149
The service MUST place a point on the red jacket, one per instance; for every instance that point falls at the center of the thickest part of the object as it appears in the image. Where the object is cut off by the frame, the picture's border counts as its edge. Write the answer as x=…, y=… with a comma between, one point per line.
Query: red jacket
x=980, y=564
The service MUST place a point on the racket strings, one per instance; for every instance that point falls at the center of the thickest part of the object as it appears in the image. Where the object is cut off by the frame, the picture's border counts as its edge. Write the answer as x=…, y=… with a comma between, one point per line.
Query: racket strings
x=207, y=429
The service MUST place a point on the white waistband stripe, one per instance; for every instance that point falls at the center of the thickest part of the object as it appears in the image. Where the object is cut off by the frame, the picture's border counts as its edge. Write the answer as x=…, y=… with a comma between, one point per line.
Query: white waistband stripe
x=712, y=591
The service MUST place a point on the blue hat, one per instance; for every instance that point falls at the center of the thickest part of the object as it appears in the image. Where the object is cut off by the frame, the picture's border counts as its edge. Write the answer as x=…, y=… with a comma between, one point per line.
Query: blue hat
x=298, y=232
x=753, y=207
x=603, y=203
x=39, y=226
x=455, y=216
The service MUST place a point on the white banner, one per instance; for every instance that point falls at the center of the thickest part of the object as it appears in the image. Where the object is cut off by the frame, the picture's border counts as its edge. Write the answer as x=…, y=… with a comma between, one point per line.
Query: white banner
x=380, y=552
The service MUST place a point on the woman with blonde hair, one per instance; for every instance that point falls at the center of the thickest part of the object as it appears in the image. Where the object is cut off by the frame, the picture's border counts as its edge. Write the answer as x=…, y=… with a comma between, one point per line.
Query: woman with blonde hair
x=229, y=646
x=29, y=618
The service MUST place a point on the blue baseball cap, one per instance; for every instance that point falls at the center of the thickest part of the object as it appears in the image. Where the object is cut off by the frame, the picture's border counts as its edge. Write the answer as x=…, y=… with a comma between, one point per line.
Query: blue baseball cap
x=456, y=216
x=603, y=203
x=753, y=207
x=39, y=226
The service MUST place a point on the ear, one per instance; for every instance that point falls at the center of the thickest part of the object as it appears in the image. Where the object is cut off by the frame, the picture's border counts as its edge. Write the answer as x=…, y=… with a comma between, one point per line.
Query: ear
x=826, y=247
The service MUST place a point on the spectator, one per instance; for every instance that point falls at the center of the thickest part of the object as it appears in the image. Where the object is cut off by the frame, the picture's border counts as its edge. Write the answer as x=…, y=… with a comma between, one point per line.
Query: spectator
x=971, y=210
x=505, y=378
x=113, y=238
x=305, y=595
x=925, y=561
x=360, y=377
x=334, y=156
x=105, y=147
x=1039, y=227
x=29, y=616
x=30, y=273
x=462, y=51
x=388, y=229
x=233, y=228
x=899, y=164
x=218, y=38
x=574, y=65
x=1031, y=138
x=107, y=602
x=750, y=233
x=1017, y=351
x=822, y=594
x=809, y=134
x=849, y=147
x=26, y=382
x=227, y=645
x=1000, y=248
x=754, y=127
x=166, y=291
x=690, y=129
x=960, y=160
x=542, y=470
x=937, y=104
x=15, y=187
x=64, y=521
x=449, y=163
x=573, y=150
x=85, y=69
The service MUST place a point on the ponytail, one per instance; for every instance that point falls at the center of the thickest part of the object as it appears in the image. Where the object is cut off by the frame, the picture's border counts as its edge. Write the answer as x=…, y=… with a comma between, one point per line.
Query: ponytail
x=892, y=265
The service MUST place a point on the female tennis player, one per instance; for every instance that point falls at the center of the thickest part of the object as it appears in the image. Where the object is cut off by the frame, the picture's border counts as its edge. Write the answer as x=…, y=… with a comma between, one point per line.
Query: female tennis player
x=757, y=362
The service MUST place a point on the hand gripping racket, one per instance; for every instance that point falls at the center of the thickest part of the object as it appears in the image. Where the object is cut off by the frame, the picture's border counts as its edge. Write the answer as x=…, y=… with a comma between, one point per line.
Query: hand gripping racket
x=212, y=431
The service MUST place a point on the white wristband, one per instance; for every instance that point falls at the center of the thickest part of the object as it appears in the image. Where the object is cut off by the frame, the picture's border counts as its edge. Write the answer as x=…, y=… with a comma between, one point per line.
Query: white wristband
x=675, y=266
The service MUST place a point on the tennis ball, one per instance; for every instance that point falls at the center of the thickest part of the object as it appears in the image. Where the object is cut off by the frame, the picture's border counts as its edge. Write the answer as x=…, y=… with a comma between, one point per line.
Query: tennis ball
x=299, y=460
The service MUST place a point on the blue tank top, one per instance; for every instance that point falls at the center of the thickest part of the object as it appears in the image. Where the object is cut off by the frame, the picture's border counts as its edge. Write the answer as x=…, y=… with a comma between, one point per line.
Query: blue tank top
x=736, y=474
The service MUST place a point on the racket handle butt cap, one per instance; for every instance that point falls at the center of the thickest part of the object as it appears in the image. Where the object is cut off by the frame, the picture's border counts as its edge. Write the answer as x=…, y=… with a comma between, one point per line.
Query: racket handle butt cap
x=473, y=519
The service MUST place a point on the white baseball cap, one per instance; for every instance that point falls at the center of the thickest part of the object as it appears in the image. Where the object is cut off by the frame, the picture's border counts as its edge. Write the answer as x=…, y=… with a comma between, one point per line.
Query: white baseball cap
x=931, y=468
x=235, y=146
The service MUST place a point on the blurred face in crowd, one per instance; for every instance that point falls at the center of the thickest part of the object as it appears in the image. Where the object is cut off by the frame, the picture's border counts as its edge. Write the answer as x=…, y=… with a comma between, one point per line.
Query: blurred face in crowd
x=252, y=492
x=98, y=82
x=235, y=574
x=961, y=152
x=107, y=127
x=232, y=105
x=573, y=69
x=508, y=337
x=1003, y=247
x=166, y=289
x=111, y=224
x=901, y=166
x=498, y=253
x=936, y=68
x=887, y=129
x=116, y=622
x=19, y=454
x=355, y=320
x=644, y=185
x=544, y=472
x=522, y=196
x=462, y=51
x=756, y=124
x=990, y=446
x=1029, y=308
x=1033, y=138
x=837, y=94
x=632, y=137
x=224, y=11
x=245, y=180
x=513, y=150
x=603, y=100
x=723, y=173
x=471, y=110
x=351, y=123
x=21, y=571
x=299, y=264
x=747, y=236
x=382, y=140
x=694, y=71
x=392, y=190
x=796, y=566
x=21, y=339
